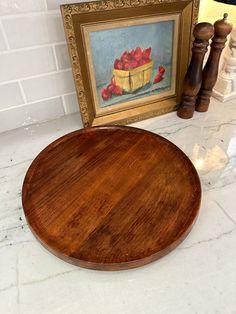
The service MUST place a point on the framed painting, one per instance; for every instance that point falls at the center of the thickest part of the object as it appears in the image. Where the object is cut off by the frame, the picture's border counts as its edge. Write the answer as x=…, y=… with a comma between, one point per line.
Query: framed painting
x=128, y=58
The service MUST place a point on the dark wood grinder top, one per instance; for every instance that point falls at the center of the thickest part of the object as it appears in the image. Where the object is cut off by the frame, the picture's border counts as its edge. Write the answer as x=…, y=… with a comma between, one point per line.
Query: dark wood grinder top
x=111, y=197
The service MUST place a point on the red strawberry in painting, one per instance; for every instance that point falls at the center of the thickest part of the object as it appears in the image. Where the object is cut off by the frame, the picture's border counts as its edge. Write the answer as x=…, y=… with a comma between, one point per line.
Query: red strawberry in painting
x=117, y=90
x=132, y=59
x=161, y=69
x=106, y=94
x=143, y=61
x=118, y=64
x=126, y=57
x=113, y=80
x=126, y=66
x=134, y=64
x=110, y=87
x=157, y=78
x=138, y=54
x=132, y=53
x=160, y=72
x=147, y=53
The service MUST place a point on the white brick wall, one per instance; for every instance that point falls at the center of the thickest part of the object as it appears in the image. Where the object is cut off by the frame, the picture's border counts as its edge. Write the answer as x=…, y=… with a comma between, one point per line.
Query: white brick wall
x=10, y=95
x=25, y=63
x=20, y=6
x=36, y=82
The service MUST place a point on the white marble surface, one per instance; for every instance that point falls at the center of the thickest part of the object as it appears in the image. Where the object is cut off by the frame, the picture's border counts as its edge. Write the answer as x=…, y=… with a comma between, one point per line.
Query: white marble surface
x=198, y=277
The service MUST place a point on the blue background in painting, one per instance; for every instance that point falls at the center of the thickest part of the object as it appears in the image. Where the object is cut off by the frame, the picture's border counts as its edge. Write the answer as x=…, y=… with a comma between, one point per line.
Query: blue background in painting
x=107, y=45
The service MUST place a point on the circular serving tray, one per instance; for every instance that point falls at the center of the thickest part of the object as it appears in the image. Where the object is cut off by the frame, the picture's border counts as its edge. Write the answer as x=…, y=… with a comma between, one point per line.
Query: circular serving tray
x=111, y=197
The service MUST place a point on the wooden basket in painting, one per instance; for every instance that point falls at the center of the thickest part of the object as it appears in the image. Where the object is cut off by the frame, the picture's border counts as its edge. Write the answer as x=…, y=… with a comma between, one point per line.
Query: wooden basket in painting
x=134, y=79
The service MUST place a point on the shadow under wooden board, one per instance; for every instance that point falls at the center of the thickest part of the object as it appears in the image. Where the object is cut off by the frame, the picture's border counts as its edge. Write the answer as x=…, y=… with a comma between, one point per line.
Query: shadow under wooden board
x=111, y=197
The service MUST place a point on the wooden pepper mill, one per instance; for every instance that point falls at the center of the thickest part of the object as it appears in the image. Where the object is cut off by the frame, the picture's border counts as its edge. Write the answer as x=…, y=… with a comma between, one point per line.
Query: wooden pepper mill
x=210, y=72
x=193, y=78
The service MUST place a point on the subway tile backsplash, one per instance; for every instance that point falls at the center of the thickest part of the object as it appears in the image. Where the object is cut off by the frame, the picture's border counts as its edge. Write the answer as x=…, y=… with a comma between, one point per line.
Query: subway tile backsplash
x=49, y=85
x=9, y=7
x=31, y=113
x=71, y=103
x=36, y=82
x=33, y=29
x=62, y=56
x=10, y=96
x=19, y=64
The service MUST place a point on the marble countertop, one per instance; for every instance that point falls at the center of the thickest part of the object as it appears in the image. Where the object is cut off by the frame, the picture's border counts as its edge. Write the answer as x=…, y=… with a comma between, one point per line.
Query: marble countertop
x=197, y=277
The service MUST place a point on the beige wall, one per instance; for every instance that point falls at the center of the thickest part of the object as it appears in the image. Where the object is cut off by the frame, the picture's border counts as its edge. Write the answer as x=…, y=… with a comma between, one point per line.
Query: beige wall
x=210, y=11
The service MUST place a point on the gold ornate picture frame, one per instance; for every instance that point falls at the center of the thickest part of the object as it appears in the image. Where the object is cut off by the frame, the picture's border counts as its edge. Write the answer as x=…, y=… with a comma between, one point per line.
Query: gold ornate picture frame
x=128, y=58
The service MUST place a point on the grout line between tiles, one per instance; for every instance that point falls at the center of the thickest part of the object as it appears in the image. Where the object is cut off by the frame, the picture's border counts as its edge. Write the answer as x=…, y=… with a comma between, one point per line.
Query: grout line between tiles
x=4, y=35
x=64, y=104
x=35, y=76
x=12, y=50
x=22, y=92
x=30, y=103
x=37, y=101
x=45, y=5
x=55, y=57
x=30, y=13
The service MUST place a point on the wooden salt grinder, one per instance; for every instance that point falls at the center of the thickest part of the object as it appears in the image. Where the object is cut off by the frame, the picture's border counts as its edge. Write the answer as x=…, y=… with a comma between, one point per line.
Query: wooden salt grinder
x=192, y=82
x=210, y=72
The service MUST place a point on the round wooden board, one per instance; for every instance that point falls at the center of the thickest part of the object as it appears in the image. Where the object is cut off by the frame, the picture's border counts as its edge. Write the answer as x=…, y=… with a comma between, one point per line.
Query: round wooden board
x=111, y=197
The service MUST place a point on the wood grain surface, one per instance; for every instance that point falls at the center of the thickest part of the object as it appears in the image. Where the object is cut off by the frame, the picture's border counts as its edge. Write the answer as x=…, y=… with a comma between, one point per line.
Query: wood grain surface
x=111, y=197
x=192, y=82
x=210, y=73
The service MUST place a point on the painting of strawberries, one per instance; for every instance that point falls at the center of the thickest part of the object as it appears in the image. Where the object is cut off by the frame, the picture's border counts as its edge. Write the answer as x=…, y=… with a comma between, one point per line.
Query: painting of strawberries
x=131, y=72
x=128, y=58
x=132, y=64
